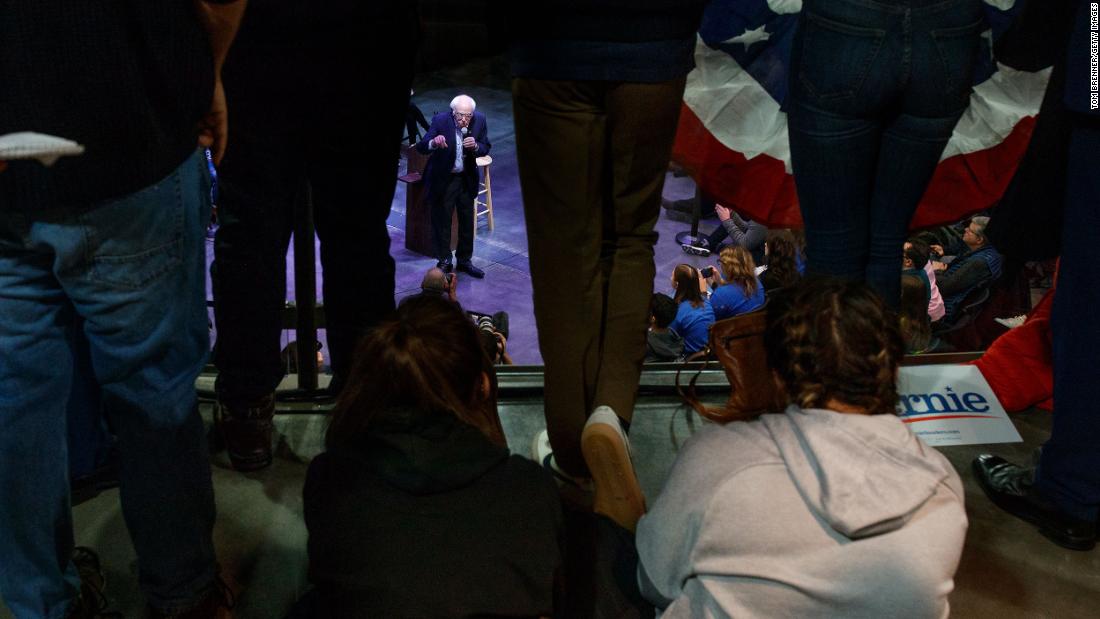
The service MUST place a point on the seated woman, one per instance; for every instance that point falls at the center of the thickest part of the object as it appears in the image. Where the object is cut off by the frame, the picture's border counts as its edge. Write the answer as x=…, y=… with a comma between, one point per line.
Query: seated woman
x=832, y=508
x=780, y=261
x=417, y=509
x=693, y=314
x=913, y=320
x=741, y=291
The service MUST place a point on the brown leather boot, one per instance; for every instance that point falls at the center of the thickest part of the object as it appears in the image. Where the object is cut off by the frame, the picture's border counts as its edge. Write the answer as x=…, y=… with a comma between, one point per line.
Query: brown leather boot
x=247, y=431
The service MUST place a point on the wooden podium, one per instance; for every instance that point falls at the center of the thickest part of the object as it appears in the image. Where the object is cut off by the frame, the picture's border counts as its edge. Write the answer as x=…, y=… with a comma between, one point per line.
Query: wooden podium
x=418, y=213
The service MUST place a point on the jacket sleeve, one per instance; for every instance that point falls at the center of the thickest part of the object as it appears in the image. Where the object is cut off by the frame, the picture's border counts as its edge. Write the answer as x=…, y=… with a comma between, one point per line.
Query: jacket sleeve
x=483, y=144
x=972, y=273
x=432, y=131
x=751, y=237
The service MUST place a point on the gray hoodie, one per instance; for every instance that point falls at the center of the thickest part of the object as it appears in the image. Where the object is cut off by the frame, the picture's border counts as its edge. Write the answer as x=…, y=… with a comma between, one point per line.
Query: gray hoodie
x=809, y=513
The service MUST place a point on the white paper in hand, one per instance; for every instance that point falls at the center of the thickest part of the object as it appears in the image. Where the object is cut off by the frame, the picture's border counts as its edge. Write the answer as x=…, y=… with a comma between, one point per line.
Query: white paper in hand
x=30, y=145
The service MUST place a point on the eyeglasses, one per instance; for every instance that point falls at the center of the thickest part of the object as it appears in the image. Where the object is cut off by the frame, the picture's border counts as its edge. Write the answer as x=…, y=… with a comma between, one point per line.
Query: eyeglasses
x=464, y=114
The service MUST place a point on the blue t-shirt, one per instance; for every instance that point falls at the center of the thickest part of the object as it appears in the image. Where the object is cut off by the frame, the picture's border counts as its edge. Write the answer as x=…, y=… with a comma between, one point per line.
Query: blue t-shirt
x=731, y=300
x=693, y=324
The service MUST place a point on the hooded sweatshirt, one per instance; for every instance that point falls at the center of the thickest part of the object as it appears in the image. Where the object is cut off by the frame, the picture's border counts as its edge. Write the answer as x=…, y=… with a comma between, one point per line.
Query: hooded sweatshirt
x=428, y=518
x=808, y=513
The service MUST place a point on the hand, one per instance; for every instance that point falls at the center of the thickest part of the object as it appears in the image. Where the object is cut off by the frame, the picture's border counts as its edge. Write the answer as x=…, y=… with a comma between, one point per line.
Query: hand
x=723, y=212
x=439, y=141
x=469, y=144
x=938, y=266
x=936, y=249
x=452, y=287
x=214, y=127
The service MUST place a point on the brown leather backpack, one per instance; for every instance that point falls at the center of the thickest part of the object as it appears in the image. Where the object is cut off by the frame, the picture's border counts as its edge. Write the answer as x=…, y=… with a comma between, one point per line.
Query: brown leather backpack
x=738, y=344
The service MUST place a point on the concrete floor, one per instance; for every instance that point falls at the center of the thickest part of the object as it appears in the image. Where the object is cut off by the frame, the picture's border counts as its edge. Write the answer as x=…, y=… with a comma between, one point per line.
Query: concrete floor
x=1008, y=570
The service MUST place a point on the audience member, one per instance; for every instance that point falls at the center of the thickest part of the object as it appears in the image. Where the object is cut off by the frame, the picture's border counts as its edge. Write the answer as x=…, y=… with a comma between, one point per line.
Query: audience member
x=662, y=343
x=298, y=84
x=111, y=243
x=913, y=320
x=814, y=511
x=918, y=253
x=741, y=291
x=417, y=509
x=452, y=179
x=780, y=261
x=597, y=95
x=694, y=314
x=438, y=283
x=875, y=93
x=741, y=232
x=978, y=266
x=1061, y=495
x=911, y=266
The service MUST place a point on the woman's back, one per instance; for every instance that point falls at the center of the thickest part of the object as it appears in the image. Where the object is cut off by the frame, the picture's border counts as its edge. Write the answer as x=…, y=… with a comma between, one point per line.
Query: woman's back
x=806, y=513
x=431, y=519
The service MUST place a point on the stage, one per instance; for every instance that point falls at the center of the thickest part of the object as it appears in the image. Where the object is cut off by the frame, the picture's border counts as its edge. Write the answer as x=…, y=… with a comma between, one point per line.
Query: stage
x=502, y=252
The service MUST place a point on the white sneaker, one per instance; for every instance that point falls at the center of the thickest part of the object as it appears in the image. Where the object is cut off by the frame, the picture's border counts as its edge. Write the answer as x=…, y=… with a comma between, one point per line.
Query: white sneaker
x=1012, y=322
x=606, y=449
x=543, y=453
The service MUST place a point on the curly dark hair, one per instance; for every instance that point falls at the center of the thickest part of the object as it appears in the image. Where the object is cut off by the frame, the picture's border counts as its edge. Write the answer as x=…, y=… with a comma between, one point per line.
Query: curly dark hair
x=832, y=339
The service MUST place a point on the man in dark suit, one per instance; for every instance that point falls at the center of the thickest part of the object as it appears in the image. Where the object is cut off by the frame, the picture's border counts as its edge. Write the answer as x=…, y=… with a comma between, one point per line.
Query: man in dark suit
x=455, y=141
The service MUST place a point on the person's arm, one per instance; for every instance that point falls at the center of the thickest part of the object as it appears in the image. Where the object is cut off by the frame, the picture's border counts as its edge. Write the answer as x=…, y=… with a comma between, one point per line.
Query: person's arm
x=970, y=274
x=221, y=19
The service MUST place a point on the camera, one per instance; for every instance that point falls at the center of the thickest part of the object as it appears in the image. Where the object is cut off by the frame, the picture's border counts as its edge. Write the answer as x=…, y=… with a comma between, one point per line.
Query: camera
x=707, y=271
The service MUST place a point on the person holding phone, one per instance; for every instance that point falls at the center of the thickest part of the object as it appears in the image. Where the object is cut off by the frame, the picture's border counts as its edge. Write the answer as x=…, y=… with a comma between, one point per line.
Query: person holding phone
x=694, y=314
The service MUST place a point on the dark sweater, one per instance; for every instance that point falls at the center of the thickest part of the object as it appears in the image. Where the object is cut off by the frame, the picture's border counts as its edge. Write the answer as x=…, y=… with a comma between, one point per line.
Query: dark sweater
x=606, y=40
x=128, y=79
x=428, y=518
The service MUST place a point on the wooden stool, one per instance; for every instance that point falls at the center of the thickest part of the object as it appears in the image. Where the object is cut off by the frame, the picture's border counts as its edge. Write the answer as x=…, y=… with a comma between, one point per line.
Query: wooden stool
x=486, y=189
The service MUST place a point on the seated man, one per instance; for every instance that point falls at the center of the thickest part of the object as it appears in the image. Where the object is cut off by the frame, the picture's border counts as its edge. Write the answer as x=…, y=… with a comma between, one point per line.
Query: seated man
x=662, y=343
x=979, y=265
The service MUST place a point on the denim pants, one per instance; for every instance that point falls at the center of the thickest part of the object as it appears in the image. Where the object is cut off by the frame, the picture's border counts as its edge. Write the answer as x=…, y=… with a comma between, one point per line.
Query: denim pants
x=129, y=273
x=1069, y=467
x=876, y=88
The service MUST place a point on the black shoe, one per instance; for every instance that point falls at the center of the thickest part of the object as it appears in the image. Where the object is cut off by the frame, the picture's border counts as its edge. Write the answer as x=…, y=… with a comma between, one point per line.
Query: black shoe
x=468, y=267
x=445, y=265
x=247, y=429
x=1011, y=488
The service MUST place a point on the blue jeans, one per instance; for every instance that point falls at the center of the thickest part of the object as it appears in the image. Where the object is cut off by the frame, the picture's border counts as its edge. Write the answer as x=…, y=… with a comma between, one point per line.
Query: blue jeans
x=876, y=89
x=1069, y=467
x=129, y=273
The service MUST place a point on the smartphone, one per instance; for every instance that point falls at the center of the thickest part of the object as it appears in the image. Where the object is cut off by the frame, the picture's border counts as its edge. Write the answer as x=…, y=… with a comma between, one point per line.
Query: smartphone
x=706, y=272
x=450, y=278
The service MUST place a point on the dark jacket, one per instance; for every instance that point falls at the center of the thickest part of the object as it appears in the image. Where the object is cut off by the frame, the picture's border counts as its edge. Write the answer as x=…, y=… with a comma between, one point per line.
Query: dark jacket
x=966, y=273
x=1027, y=223
x=438, y=170
x=428, y=518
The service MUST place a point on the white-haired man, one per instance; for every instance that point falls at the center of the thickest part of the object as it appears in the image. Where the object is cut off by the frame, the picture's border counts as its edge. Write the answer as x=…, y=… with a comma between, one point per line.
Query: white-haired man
x=454, y=141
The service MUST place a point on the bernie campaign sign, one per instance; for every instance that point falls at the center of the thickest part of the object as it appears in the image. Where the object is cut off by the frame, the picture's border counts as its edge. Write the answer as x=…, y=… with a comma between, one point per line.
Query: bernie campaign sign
x=949, y=405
